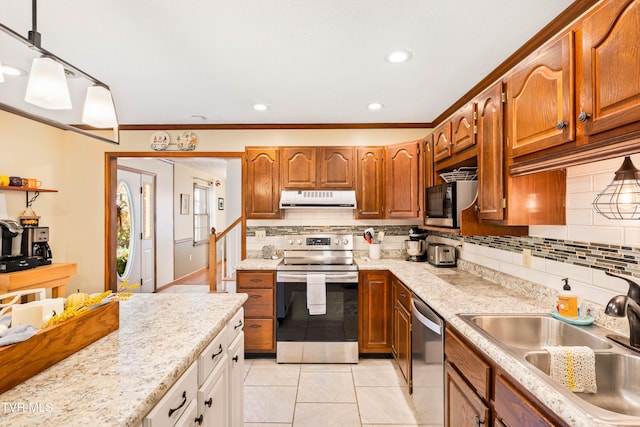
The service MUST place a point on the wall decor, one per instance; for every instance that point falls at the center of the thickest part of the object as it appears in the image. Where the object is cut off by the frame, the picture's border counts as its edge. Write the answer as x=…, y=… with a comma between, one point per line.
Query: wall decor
x=220, y=204
x=184, y=204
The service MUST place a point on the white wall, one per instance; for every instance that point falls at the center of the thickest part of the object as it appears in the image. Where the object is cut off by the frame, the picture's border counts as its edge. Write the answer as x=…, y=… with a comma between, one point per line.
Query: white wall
x=584, y=224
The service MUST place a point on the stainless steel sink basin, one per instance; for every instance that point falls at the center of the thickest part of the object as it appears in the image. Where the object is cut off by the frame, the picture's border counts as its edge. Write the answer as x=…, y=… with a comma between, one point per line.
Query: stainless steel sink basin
x=534, y=331
x=617, y=376
x=523, y=336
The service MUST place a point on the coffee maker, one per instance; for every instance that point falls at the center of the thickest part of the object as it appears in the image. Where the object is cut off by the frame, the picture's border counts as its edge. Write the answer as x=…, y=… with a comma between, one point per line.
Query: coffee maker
x=416, y=246
x=35, y=244
x=11, y=238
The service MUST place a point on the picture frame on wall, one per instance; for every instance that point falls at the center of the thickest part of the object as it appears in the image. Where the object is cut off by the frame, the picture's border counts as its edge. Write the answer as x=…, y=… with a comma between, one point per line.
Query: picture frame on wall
x=184, y=204
x=220, y=204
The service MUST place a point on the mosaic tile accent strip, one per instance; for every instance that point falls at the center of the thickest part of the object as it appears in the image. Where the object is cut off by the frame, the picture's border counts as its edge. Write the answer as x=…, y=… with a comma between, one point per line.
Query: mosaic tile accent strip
x=389, y=230
x=613, y=258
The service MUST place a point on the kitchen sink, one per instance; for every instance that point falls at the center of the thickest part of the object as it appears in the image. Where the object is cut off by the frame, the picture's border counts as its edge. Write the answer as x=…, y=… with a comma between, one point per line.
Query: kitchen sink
x=617, y=376
x=534, y=331
x=523, y=336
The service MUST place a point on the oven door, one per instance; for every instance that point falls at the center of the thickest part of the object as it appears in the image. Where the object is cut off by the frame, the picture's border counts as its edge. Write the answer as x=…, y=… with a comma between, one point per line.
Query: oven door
x=326, y=338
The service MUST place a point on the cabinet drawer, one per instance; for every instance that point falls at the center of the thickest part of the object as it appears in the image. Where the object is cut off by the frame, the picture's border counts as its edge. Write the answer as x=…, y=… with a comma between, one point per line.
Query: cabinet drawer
x=513, y=409
x=190, y=416
x=173, y=404
x=235, y=325
x=255, y=280
x=258, y=335
x=212, y=355
x=469, y=364
x=259, y=303
x=402, y=295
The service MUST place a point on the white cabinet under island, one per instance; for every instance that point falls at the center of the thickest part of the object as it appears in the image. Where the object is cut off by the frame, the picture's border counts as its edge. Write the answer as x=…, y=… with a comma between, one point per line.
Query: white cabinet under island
x=120, y=378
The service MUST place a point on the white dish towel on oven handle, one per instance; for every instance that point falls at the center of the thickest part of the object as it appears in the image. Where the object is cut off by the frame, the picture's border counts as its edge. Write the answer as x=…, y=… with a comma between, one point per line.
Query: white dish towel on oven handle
x=316, y=293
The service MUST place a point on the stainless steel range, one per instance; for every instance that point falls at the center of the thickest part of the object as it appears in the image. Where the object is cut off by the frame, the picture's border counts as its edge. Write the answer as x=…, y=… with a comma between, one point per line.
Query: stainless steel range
x=317, y=300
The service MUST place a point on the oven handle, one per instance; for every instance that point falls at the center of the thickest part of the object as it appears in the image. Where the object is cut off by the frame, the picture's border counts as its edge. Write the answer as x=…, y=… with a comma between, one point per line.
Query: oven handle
x=351, y=276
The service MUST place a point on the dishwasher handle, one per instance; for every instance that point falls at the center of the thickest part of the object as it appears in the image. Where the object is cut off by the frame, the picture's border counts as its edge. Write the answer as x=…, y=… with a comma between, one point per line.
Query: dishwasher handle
x=426, y=316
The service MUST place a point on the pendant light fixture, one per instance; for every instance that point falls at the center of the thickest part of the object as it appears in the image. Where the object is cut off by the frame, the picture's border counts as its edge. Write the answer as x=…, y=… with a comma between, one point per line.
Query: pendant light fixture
x=621, y=198
x=98, y=110
x=1, y=73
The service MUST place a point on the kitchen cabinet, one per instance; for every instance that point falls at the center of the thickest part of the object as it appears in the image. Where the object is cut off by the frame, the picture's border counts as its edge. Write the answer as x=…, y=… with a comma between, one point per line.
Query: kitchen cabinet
x=427, y=154
x=262, y=183
x=259, y=309
x=541, y=99
x=463, y=407
x=213, y=380
x=236, y=371
x=370, y=182
x=374, y=302
x=463, y=128
x=609, y=76
x=401, y=328
x=469, y=381
x=403, y=182
x=442, y=145
x=317, y=168
x=174, y=403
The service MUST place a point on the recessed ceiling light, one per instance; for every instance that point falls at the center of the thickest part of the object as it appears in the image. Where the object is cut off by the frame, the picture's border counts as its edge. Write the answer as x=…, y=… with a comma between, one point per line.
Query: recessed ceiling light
x=10, y=70
x=374, y=106
x=261, y=107
x=399, y=56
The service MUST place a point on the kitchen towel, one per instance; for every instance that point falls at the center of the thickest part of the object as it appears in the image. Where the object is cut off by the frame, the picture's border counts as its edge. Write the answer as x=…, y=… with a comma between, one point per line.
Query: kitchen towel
x=316, y=293
x=574, y=367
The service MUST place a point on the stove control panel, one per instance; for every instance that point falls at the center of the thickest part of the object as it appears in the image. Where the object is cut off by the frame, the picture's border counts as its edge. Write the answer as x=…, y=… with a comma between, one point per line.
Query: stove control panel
x=320, y=242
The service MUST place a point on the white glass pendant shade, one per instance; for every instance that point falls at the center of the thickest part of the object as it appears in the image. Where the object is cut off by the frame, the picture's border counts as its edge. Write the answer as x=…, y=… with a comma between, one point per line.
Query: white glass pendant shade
x=47, y=86
x=1, y=74
x=99, y=110
x=621, y=198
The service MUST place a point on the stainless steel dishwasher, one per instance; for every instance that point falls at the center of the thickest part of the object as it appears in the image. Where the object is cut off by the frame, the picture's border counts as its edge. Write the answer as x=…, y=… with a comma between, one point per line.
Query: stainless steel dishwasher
x=427, y=363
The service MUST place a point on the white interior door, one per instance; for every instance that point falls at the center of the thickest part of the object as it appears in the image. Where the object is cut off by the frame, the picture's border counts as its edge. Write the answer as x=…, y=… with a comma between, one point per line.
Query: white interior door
x=136, y=230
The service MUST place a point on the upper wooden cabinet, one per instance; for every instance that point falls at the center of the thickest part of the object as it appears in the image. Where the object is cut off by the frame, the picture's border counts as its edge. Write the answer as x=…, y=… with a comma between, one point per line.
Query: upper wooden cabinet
x=370, y=182
x=442, y=146
x=404, y=186
x=491, y=194
x=427, y=154
x=610, y=69
x=463, y=129
x=541, y=100
x=262, y=183
x=311, y=167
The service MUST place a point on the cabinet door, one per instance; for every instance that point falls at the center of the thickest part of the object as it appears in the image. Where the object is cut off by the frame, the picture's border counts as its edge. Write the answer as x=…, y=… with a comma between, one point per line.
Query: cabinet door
x=374, y=300
x=513, y=409
x=370, y=182
x=427, y=153
x=402, y=174
x=403, y=338
x=541, y=99
x=259, y=335
x=462, y=406
x=610, y=89
x=236, y=382
x=298, y=167
x=262, y=184
x=442, y=142
x=490, y=154
x=463, y=130
x=335, y=167
x=213, y=396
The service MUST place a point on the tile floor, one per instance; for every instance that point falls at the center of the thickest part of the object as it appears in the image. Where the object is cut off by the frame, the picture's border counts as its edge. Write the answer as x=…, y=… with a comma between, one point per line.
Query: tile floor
x=365, y=394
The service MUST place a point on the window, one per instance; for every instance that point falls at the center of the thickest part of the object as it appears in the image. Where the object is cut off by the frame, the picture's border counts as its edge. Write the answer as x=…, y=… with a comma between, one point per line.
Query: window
x=200, y=214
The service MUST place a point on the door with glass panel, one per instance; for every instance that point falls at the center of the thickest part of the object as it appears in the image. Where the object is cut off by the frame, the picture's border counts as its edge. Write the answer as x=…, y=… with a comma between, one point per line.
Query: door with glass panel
x=135, y=207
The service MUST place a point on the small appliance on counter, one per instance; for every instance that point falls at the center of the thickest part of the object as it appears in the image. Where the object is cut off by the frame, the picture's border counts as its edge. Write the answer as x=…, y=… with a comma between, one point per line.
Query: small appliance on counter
x=441, y=255
x=416, y=246
x=11, y=258
x=35, y=243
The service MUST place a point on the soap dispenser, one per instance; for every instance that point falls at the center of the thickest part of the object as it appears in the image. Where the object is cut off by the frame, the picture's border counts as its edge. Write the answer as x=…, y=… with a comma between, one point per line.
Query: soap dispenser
x=567, y=301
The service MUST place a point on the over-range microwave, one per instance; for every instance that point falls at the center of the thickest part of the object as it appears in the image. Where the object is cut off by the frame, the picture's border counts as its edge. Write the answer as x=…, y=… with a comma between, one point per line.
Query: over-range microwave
x=445, y=201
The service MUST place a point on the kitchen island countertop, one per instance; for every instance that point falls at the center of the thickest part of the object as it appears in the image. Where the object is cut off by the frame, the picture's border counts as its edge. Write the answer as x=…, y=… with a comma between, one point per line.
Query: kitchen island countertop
x=450, y=291
x=118, y=379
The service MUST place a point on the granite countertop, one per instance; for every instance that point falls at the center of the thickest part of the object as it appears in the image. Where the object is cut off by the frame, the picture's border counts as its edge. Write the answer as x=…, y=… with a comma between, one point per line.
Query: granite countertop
x=118, y=379
x=450, y=291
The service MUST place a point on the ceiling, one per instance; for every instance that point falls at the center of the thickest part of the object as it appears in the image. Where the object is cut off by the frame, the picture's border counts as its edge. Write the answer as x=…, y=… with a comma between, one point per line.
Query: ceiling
x=311, y=61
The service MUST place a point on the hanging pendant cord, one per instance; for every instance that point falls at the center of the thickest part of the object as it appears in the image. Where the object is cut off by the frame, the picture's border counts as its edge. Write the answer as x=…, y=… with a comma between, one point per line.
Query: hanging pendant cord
x=34, y=35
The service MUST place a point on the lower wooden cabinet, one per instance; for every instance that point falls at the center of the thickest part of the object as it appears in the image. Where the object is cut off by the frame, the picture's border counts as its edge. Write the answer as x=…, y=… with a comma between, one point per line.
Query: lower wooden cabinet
x=463, y=407
x=259, y=309
x=514, y=409
x=401, y=328
x=374, y=302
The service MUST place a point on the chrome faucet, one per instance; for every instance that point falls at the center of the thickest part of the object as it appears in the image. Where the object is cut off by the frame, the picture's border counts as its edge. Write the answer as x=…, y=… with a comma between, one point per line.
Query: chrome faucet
x=628, y=304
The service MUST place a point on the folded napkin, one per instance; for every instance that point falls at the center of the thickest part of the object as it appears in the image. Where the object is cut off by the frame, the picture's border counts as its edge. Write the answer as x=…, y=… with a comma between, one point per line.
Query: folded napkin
x=574, y=367
x=316, y=293
x=17, y=334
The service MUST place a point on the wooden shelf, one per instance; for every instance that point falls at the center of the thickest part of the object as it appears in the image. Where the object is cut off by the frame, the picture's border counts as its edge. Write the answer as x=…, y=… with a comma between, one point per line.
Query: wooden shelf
x=27, y=189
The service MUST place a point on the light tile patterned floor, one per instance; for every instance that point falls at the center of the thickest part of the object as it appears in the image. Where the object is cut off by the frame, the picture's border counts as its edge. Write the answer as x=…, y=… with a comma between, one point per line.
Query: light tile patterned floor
x=366, y=394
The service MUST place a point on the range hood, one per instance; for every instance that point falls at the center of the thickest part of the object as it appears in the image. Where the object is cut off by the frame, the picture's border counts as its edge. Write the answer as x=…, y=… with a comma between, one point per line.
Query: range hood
x=344, y=199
